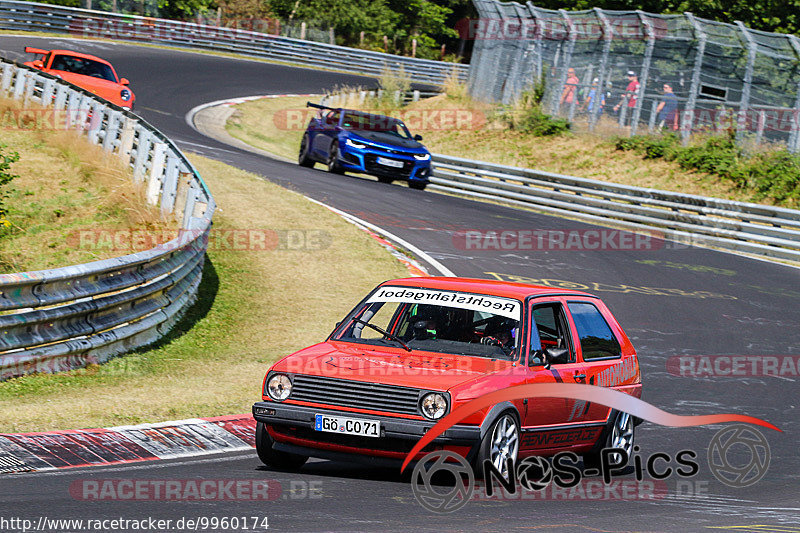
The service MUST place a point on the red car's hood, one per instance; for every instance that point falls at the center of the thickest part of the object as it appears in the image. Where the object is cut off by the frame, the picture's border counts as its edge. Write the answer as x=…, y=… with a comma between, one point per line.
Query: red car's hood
x=378, y=364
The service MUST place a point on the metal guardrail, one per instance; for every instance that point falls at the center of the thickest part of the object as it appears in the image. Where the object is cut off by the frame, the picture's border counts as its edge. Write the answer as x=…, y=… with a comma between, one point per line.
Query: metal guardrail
x=689, y=219
x=65, y=318
x=28, y=16
x=340, y=99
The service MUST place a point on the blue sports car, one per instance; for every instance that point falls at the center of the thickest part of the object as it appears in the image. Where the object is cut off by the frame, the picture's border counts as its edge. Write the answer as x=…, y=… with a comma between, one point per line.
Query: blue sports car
x=346, y=140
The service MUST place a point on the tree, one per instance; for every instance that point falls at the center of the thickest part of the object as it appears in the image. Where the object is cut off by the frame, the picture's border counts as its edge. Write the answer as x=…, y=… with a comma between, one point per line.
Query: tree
x=767, y=15
x=244, y=9
x=423, y=20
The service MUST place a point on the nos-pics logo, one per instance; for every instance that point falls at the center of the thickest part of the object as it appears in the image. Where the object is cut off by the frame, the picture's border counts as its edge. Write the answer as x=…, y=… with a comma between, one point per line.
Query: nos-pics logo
x=444, y=481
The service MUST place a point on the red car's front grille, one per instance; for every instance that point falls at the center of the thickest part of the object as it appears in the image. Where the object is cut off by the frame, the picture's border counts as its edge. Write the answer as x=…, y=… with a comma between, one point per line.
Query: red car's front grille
x=357, y=394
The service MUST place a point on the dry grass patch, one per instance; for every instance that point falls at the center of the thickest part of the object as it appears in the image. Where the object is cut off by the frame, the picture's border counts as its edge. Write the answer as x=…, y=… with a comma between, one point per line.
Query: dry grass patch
x=272, y=124
x=65, y=185
x=253, y=307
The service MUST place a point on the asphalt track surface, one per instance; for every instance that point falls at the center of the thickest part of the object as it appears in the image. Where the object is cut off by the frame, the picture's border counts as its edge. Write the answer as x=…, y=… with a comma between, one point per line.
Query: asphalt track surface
x=752, y=309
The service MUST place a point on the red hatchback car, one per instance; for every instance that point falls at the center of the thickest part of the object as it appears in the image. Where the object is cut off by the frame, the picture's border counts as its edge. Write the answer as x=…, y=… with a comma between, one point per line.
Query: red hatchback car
x=415, y=349
x=86, y=71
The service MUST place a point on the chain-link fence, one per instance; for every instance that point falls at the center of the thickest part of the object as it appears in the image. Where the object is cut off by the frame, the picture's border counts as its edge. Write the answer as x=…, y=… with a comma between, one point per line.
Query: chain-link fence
x=640, y=71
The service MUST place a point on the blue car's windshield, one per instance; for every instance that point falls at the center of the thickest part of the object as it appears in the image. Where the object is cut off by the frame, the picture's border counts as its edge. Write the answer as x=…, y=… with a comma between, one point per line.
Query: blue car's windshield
x=376, y=123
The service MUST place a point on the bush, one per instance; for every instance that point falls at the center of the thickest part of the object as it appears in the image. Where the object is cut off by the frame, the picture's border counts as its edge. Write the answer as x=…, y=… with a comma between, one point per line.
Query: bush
x=5, y=179
x=540, y=124
x=527, y=116
x=768, y=174
x=651, y=147
x=392, y=81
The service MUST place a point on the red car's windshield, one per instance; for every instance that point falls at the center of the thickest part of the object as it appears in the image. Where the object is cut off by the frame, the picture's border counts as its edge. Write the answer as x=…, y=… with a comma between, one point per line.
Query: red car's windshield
x=437, y=321
x=81, y=65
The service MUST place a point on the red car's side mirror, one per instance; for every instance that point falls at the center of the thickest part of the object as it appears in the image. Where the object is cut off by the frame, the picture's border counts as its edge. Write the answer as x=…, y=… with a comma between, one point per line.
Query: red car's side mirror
x=38, y=64
x=124, y=81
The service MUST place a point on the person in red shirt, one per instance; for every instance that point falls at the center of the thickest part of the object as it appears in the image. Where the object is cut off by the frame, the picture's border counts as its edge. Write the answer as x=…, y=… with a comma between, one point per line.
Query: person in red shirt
x=568, y=95
x=631, y=95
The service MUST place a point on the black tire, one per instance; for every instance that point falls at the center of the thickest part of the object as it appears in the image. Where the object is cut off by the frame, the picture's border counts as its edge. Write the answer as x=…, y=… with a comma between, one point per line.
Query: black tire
x=418, y=185
x=304, y=158
x=498, y=445
x=384, y=179
x=333, y=159
x=279, y=460
x=619, y=433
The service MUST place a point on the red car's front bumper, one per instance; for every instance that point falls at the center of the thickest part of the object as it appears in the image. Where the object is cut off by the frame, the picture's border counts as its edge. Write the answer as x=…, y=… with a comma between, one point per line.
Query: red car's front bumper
x=292, y=429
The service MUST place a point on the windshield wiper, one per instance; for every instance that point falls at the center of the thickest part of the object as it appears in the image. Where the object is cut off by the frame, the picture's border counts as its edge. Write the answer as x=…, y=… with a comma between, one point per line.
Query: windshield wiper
x=384, y=333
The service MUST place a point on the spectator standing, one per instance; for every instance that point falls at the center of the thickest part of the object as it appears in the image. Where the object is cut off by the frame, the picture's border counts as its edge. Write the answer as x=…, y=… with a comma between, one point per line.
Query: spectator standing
x=570, y=92
x=595, y=97
x=631, y=95
x=666, y=112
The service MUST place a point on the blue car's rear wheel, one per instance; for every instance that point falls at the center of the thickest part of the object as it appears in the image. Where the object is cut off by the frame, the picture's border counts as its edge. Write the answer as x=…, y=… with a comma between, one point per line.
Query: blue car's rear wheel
x=333, y=159
x=304, y=158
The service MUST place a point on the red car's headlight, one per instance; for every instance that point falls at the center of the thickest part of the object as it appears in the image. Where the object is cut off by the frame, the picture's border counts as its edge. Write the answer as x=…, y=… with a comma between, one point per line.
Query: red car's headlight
x=433, y=405
x=279, y=387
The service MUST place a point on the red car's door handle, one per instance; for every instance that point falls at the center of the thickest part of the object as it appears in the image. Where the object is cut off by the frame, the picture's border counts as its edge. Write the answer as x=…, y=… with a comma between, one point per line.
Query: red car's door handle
x=580, y=376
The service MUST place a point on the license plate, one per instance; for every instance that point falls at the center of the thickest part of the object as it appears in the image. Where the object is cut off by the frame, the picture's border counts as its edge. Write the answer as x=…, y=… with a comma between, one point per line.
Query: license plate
x=390, y=162
x=348, y=426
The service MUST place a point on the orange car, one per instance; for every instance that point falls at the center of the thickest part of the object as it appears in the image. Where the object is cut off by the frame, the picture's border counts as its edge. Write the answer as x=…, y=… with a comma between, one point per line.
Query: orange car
x=86, y=71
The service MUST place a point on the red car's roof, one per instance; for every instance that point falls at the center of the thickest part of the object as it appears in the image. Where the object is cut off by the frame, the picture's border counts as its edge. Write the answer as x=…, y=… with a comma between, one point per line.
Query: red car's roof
x=507, y=289
x=81, y=55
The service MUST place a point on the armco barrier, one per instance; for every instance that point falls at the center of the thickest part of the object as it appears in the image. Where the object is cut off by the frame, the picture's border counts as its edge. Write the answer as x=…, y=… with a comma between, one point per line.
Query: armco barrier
x=28, y=16
x=54, y=320
x=743, y=227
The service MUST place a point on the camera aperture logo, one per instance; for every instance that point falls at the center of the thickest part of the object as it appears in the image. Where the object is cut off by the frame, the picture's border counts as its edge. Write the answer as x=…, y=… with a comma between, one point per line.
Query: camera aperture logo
x=439, y=496
x=729, y=443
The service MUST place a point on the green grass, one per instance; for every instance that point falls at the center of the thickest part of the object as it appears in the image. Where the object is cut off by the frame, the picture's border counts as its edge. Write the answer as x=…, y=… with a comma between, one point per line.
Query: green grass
x=772, y=174
x=254, y=307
